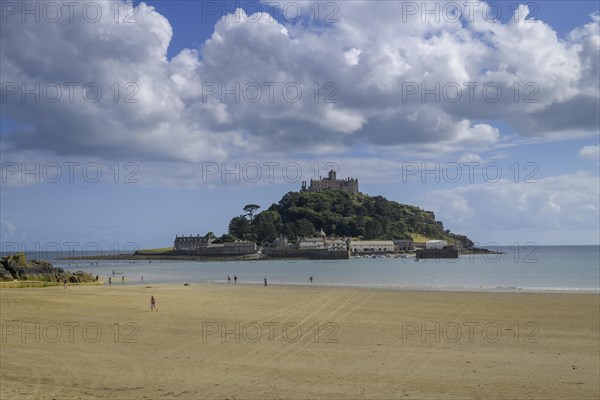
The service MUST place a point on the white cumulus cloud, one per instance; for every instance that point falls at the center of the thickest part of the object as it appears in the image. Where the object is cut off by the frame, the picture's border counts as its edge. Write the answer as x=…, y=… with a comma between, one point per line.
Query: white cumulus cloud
x=590, y=152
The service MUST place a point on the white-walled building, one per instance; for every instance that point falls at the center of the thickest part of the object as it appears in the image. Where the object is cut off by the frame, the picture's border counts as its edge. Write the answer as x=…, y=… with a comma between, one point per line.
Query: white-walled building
x=371, y=246
x=322, y=243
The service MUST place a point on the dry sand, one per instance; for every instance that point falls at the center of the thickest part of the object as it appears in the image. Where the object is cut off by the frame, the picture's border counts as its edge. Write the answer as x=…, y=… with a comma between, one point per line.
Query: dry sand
x=296, y=342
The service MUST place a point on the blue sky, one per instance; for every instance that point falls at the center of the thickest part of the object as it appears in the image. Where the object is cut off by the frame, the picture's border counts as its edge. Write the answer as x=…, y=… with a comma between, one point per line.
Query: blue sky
x=171, y=144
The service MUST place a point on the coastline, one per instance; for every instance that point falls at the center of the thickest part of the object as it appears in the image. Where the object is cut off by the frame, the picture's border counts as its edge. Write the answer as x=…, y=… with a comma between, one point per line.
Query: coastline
x=161, y=257
x=407, y=288
x=377, y=287
x=354, y=343
x=167, y=256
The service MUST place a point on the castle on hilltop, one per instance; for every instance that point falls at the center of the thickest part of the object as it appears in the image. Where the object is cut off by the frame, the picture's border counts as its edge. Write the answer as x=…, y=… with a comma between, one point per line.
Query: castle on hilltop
x=349, y=185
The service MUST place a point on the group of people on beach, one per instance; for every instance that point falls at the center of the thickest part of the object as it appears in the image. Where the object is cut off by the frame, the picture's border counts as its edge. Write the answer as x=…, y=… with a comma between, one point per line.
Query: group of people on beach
x=265, y=280
x=153, y=299
x=122, y=277
x=122, y=280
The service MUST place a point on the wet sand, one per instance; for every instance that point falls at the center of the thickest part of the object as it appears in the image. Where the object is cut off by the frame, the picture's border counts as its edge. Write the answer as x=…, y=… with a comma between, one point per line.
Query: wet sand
x=255, y=342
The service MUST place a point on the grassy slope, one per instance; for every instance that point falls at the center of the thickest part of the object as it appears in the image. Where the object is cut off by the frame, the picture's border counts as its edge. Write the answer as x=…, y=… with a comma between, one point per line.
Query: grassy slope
x=158, y=250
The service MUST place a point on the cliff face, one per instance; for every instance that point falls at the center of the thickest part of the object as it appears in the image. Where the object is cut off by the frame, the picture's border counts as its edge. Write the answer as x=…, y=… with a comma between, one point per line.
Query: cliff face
x=18, y=267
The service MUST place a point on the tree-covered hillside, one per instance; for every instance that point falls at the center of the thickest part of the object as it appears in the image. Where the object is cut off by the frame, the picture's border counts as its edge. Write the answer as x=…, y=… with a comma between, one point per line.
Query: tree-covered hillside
x=339, y=213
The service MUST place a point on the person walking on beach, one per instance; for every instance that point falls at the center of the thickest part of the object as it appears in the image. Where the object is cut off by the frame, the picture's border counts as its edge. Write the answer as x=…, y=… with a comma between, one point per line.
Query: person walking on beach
x=311, y=278
x=234, y=279
x=123, y=279
x=113, y=272
x=265, y=281
x=228, y=279
x=65, y=285
x=109, y=281
x=153, y=304
x=142, y=279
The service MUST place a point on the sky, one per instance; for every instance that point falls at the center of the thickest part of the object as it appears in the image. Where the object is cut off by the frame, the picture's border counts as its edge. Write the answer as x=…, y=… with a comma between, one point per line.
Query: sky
x=123, y=124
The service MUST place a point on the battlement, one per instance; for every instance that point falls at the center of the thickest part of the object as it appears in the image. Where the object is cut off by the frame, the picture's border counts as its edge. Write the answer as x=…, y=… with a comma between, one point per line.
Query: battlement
x=349, y=185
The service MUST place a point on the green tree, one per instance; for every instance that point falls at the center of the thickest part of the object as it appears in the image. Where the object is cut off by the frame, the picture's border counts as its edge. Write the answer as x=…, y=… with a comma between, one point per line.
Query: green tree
x=267, y=226
x=228, y=238
x=304, y=228
x=239, y=227
x=373, y=229
x=250, y=209
x=289, y=231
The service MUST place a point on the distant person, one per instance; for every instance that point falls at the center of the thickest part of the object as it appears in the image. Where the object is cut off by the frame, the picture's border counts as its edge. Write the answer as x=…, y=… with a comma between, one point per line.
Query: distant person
x=311, y=278
x=113, y=272
x=153, y=304
x=123, y=279
x=228, y=279
x=265, y=281
x=96, y=278
x=234, y=279
x=109, y=281
x=65, y=284
x=142, y=279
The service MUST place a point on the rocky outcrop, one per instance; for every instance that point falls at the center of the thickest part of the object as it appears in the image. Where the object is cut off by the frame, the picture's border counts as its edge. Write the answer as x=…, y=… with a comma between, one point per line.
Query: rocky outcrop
x=18, y=267
x=5, y=275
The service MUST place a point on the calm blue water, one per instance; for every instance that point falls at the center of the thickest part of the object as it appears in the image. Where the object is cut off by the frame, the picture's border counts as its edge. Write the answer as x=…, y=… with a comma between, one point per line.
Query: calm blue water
x=543, y=268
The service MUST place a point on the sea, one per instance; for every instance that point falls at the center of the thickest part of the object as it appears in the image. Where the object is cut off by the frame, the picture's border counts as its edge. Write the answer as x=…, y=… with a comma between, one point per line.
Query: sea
x=516, y=269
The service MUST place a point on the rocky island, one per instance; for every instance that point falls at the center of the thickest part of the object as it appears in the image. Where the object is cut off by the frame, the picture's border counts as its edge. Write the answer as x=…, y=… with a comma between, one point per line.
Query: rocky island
x=328, y=219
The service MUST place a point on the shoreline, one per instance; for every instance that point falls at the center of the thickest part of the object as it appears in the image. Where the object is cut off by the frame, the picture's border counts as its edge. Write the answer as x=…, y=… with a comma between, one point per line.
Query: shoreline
x=384, y=287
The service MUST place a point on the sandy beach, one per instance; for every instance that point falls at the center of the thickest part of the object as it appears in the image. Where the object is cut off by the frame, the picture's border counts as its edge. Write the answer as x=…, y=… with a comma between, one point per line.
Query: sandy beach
x=255, y=342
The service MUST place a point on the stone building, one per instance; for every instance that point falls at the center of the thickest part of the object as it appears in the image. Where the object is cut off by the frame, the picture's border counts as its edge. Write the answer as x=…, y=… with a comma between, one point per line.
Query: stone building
x=349, y=185
x=311, y=248
x=371, y=246
x=192, y=242
x=403, y=245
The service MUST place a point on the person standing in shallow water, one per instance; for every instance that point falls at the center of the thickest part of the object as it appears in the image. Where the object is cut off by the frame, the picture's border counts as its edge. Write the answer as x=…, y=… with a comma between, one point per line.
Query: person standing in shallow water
x=234, y=279
x=265, y=281
x=228, y=279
